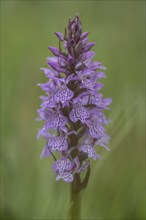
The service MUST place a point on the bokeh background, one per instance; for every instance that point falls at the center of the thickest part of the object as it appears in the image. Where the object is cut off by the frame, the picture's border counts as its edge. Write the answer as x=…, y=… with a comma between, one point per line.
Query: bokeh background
x=117, y=183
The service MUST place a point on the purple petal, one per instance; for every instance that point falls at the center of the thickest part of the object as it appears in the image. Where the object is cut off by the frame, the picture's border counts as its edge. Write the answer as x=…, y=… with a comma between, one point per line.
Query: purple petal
x=90, y=151
x=54, y=50
x=86, y=83
x=42, y=132
x=49, y=72
x=95, y=129
x=95, y=65
x=62, y=165
x=84, y=35
x=89, y=46
x=45, y=152
x=86, y=72
x=88, y=56
x=98, y=86
x=101, y=103
x=84, y=42
x=58, y=143
x=100, y=75
x=48, y=102
x=107, y=101
x=68, y=177
x=63, y=94
x=79, y=113
x=60, y=36
x=55, y=119
x=56, y=67
x=103, y=141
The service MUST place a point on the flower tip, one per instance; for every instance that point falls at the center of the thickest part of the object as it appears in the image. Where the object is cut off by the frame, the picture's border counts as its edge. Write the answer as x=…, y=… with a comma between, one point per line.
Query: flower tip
x=84, y=35
x=49, y=47
x=59, y=36
x=89, y=46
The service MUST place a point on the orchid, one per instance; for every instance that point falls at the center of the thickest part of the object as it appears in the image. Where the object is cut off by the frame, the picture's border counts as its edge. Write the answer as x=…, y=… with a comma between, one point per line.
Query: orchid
x=73, y=106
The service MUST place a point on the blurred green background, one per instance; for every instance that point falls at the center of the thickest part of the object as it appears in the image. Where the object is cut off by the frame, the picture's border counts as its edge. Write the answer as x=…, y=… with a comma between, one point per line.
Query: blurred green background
x=117, y=183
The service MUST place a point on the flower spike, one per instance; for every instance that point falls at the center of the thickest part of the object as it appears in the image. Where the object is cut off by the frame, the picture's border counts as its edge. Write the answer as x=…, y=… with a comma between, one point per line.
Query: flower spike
x=73, y=106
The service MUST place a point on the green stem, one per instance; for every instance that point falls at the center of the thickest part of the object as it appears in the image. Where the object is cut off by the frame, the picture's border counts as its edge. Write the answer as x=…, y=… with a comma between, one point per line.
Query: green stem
x=75, y=202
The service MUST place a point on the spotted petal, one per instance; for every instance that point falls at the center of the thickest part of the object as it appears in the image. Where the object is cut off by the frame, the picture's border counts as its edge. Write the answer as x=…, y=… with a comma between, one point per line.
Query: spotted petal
x=63, y=94
x=48, y=102
x=66, y=176
x=62, y=164
x=58, y=143
x=86, y=148
x=86, y=83
x=79, y=113
x=96, y=130
x=55, y=119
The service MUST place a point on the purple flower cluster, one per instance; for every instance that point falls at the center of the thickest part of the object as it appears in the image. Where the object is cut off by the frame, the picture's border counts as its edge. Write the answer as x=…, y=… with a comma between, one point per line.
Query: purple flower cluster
x=73, y=106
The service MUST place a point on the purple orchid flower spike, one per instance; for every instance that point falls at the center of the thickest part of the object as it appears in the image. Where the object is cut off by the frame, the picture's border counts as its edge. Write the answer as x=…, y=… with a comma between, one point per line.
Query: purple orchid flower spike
x=72, y=108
